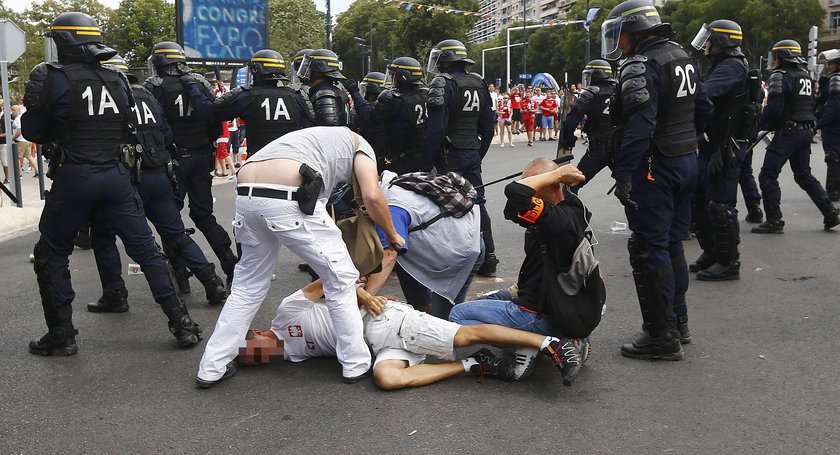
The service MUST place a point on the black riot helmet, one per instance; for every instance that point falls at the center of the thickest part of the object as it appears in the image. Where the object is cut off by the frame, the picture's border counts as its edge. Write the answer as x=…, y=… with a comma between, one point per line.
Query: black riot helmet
x=169, y=58
x=118, y=63
x=448, y=50
x=267, y=64
x=296, y=61
x=597, y=70
x=403, y=70
x=722, y=32
x=631, y=16
x=78, y=38
x=321, y=61
x=372, y=84
x=787, y=50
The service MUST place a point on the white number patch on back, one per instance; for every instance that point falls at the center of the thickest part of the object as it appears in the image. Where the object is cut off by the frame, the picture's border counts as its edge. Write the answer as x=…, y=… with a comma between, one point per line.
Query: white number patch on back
x=687, y=86
x=805, y=87
x=421, y=113
x=473, y=103
x=106, y=101
x=279, y=110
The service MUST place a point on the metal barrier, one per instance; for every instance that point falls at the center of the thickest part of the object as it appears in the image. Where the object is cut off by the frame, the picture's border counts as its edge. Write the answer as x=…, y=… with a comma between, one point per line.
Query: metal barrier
x=17, y=196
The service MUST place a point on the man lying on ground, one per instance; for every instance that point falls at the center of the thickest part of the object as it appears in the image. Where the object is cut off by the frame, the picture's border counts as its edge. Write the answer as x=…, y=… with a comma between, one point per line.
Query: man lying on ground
x=399, y=336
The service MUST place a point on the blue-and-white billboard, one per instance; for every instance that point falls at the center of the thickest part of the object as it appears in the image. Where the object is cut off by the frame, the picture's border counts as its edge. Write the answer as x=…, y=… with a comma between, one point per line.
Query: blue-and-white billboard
x=222, y=30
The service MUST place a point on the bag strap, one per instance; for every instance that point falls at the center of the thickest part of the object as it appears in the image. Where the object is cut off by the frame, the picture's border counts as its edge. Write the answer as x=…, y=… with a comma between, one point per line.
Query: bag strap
x=357, y=191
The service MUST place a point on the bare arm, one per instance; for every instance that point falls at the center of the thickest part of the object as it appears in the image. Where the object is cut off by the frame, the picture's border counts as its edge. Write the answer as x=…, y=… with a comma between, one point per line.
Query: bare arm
x=567, y=174
x=375, y=203
x=376, y=281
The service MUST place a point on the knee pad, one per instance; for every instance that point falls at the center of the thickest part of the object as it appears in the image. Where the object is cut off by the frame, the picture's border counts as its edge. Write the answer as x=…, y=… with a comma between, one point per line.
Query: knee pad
x=42, y=253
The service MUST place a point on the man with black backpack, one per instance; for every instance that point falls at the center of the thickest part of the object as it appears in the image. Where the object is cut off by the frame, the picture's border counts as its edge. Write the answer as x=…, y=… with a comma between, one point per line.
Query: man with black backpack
x=555, y=222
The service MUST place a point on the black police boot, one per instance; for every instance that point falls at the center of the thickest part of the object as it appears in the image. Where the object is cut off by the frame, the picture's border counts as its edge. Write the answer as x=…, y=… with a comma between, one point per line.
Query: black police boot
x=228, y=262
x=754, y=213
x=60, y=340
x=718, y=272
x=187, y=333
x=111, y=302
x=666, y=346
x=769, y=227
x=488, y=267
x=182, y=279
x=704, y=261
x=831, y=220
x=682, y=328
x=215, y=290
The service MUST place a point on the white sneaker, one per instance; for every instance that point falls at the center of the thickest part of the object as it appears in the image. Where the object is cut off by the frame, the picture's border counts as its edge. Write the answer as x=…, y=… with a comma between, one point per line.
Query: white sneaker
x=511, y=144
x=503, y=145
x=525, y=361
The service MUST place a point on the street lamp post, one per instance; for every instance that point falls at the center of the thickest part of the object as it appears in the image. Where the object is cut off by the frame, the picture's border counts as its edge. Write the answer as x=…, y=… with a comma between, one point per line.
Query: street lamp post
x=508, y=45
x=493, y=49
x=362, y=51
x=370, y=56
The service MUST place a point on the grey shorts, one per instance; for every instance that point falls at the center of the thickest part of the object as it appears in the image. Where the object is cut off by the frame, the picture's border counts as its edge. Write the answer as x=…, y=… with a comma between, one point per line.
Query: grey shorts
x=403, y=333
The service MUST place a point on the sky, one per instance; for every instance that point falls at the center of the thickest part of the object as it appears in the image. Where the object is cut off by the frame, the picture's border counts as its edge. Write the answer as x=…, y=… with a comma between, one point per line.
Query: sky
x=337, y=6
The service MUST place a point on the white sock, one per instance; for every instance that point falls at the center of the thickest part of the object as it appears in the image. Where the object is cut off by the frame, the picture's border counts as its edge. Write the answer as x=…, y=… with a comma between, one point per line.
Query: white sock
x=547, y=341
x=468, y=363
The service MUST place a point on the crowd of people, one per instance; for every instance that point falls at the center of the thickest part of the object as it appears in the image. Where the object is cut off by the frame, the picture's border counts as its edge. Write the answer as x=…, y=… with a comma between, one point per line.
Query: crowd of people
x=364, y=179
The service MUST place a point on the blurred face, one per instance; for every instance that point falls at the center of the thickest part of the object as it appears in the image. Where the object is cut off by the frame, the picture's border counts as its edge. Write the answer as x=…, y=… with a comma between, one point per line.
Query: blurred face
x=491, y=87
x=538, y=92
x=15, y=111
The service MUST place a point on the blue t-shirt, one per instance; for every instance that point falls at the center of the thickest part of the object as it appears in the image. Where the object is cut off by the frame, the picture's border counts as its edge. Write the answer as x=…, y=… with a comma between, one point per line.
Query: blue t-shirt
x=401, y=220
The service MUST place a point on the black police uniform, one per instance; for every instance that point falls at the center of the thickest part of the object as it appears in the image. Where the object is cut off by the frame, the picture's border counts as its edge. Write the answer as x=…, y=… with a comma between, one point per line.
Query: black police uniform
x=714, y=215
x=330, y=103
x=593, y=103
x=270, y=109
x=659, y=103
x=403, y=113
x=789, y=112
x=459, y=130
x=90, y=104
x=188, y=108
x=367, y=124
x=829, y=125
x=156, y=191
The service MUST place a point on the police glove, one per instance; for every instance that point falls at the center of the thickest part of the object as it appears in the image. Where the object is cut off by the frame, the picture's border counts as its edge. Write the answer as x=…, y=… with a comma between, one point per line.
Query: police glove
x=350, y=85
x=623, y=190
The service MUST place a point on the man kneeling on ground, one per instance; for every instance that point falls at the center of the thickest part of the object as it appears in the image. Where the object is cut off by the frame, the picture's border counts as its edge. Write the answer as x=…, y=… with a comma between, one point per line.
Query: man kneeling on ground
x=537, y=202
x=399, y=336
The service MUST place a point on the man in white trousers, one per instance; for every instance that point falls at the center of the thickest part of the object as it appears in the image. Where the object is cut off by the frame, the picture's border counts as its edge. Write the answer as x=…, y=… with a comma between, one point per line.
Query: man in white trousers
x=281, y=199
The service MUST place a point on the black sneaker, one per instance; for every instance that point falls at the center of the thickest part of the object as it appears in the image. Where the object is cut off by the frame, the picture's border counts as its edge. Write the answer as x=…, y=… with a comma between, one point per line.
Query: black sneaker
x=769, y=227
x=565, y=353
x=719, y=272
x=490, y=365
x=754, y=214
x=682, y=329
x=831, y=220
x=230, y=370
x=665, y=347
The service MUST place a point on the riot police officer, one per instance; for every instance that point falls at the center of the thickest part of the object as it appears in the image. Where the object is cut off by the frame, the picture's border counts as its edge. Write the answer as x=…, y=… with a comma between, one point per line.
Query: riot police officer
x=402, y=110
x=269, y=106
x=187, y=102
x=156, y=190
x=297, y=60
x=364, y=96
x=829, y=120
x=593, y=103
x=459, y=127
x=83, y=109
x=660, y=104
x=714, y=216
x=330, y=102
x=789, y=112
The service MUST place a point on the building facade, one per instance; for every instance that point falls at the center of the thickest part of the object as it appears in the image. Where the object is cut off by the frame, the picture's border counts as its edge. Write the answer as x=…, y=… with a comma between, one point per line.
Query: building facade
x=506, y=12
x=830, y=30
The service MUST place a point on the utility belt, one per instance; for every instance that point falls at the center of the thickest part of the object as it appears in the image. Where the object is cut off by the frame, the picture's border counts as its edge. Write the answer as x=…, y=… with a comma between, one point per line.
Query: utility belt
x=306, y=195
x=791, y=126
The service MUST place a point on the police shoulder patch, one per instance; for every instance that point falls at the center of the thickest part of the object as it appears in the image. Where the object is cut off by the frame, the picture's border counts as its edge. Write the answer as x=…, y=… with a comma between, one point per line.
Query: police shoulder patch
x=834, y=84
x=775, y=86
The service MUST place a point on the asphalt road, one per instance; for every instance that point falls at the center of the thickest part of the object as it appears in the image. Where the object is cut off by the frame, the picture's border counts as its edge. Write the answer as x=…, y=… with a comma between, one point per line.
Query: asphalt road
x=761, y=375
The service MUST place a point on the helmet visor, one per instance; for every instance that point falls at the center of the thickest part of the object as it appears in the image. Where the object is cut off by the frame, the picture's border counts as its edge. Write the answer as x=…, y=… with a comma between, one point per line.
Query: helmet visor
x=702, y=36
x=587, y=77
x=303, y=71
x=389, y=78
x=610, y=35
x=434, y=55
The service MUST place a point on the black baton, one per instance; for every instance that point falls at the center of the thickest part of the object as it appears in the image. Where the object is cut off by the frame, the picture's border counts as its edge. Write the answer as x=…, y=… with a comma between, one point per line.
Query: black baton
x=561, y=160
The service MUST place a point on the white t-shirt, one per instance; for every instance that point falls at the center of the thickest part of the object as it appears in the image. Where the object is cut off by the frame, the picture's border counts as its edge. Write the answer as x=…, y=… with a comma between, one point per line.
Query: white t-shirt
x=538, y=99
x=16, y=127
x=494, y=96
x=327, y=149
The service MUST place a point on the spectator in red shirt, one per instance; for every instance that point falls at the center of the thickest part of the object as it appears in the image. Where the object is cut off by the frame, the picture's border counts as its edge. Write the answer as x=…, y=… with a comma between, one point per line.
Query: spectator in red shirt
x=505, y=113
x=516, y=107
x=529, y=108
x=549, y=114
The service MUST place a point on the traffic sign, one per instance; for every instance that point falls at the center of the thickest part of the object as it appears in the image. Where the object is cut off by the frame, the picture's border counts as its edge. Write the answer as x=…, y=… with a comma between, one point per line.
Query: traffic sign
x=525, y=76
x=12, y=41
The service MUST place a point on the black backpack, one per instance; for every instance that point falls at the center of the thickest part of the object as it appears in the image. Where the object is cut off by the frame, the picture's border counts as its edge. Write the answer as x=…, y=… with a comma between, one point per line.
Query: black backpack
x=451, y=192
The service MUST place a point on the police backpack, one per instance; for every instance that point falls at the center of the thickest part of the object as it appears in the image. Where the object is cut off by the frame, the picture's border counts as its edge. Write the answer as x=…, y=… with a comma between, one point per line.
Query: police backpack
x=746, y=127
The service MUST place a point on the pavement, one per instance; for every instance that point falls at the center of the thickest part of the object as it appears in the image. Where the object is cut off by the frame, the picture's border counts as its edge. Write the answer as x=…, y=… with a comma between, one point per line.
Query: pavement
x=760, y=377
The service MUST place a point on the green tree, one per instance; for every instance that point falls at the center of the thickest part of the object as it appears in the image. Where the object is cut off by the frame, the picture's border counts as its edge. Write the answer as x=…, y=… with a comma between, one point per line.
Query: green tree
x=138, y=25
x=413, y=34
x=294, y=25
x=764, y=21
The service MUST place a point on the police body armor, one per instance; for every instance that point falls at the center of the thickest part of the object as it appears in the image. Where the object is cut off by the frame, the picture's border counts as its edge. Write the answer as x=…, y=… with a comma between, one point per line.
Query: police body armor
x=187, y=132
x=274, y=112
x=97, y=124
x=675, y=133
x=149, y=132
x=403, y=142
x=331, y=105
x=728, y=121
x=595, y=103
x=462, y=131
x=799, y=104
